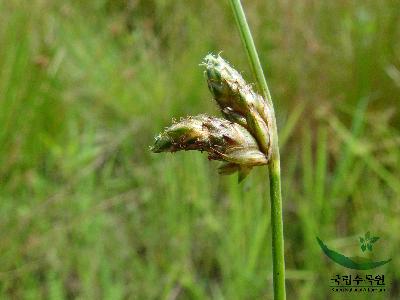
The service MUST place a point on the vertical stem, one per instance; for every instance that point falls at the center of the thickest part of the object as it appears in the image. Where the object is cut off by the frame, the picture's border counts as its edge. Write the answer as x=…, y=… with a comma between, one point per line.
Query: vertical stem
x=277, y=229
x=274, y=164
x=248, y=43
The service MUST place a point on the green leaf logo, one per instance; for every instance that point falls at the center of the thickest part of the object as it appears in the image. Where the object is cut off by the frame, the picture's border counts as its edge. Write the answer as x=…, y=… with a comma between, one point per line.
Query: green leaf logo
x=353, y=262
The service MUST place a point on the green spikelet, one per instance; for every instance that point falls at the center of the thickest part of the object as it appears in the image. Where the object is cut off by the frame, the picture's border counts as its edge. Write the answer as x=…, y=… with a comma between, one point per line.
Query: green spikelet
x=237, y=100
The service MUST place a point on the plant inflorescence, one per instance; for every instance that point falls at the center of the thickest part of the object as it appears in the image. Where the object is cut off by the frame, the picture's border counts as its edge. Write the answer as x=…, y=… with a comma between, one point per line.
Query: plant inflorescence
x=241, y=140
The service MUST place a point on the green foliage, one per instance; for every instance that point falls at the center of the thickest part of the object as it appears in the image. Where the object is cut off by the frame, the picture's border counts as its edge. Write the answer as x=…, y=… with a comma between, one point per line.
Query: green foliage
x=87, y=212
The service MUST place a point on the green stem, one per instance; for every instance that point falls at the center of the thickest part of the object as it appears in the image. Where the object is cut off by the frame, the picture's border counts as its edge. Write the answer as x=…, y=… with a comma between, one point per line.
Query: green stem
x=274, y=165
x=251, y=50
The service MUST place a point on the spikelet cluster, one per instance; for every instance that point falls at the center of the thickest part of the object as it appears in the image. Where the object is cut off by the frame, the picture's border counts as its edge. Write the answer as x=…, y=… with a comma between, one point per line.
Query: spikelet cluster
x=241, y=140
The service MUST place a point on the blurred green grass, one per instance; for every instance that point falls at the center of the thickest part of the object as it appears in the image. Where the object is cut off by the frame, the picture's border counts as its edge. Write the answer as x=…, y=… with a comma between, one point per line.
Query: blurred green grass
x=87, y=212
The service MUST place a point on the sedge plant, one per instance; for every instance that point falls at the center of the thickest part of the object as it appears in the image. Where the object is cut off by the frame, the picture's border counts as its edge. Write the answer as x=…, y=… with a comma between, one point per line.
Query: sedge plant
x=246, y=137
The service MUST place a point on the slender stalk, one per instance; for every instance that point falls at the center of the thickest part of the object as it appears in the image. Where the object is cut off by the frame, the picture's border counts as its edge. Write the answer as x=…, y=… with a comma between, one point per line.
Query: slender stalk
x=274, y=164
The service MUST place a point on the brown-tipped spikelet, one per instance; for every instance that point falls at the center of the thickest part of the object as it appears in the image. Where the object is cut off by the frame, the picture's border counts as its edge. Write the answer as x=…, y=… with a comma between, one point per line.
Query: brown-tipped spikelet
x=237, y=100
x=223, y=140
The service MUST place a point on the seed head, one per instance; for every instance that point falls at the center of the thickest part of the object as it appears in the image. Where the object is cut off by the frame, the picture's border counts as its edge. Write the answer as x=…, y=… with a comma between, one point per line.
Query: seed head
x=241, y=140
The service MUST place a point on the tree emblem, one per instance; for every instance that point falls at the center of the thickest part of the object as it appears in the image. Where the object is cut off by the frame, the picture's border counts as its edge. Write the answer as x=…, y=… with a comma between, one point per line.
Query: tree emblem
x=367, y=241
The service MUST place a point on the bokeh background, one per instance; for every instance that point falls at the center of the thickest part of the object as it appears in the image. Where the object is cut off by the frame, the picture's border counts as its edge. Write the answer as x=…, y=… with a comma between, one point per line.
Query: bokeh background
x=87, y=212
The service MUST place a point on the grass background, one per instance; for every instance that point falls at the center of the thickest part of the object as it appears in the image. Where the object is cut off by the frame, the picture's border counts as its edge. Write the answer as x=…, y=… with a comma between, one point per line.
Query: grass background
x=87, y=212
